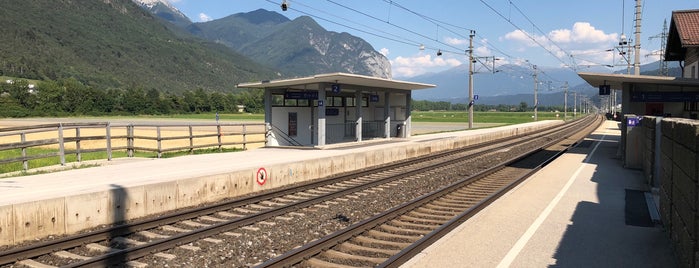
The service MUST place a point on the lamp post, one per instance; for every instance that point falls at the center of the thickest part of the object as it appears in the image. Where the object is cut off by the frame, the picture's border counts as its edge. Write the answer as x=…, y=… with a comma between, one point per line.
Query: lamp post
x=470, y=79
x=565, y=101
x=536, y=88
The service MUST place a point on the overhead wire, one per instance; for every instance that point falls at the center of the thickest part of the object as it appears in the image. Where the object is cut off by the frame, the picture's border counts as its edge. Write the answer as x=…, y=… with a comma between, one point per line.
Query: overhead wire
x=344, y=25
x=407, y=41
x=398, y=26
x=525, y=33
x=538, y=29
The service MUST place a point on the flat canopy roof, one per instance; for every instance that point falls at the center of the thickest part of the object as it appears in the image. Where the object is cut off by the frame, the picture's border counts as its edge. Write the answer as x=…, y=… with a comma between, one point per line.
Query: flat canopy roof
x=312, y=82
x=615, y=80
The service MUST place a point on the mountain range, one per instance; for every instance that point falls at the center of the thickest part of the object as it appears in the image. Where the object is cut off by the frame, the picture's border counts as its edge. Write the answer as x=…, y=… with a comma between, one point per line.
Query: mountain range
x=150, y=44
x=298, y=47
x=512, y=84
x=114, y=44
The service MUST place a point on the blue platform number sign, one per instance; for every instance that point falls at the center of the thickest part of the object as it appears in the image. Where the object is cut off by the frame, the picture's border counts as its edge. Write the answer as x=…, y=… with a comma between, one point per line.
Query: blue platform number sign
x=632, y=121
x=335, y=88
x=320, y=103
x=475, y=97
x=374, y=98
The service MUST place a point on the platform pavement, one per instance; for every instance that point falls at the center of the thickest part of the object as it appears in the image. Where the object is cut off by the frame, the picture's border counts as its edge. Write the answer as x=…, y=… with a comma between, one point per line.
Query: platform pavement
x=129, y=172
x=570, y=214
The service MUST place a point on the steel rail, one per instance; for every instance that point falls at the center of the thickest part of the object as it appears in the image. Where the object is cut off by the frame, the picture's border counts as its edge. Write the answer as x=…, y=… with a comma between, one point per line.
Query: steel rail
x=138, y=251
x=302, y=253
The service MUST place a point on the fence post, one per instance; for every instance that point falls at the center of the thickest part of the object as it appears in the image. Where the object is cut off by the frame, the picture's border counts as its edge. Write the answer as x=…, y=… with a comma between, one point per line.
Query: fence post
x=25, y=163
x=77, y=145
x=268, y=131
x=160, y=153
x=129, y=140
x=61, y=146
x=191, y=141
x=108, y=133
x=245, y=141
x=218, y=129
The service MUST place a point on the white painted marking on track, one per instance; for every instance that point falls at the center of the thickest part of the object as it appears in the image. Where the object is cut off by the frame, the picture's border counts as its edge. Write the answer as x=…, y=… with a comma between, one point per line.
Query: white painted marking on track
x=524, y=239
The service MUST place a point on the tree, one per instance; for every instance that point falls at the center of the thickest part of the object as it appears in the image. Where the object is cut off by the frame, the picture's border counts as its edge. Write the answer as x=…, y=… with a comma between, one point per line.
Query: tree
x=19, y=91
x=523, y=106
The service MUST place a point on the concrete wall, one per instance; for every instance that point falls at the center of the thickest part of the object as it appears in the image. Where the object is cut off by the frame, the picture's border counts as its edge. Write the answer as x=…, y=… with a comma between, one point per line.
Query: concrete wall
x=72, y=214
x=679, y=145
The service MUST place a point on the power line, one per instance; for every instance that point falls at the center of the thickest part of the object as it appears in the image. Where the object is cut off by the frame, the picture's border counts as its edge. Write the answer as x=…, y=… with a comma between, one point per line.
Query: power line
x=526, y=33
x=538, y=29
x=397, y=26
x=347, y=26
x=398, y=38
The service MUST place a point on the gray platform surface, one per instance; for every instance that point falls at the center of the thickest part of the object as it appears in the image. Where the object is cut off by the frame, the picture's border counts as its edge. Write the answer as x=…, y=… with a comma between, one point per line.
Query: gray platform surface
x=570, y=214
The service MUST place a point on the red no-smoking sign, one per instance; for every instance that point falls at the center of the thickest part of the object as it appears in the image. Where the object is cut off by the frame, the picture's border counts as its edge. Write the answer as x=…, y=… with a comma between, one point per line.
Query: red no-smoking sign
x=261, y=176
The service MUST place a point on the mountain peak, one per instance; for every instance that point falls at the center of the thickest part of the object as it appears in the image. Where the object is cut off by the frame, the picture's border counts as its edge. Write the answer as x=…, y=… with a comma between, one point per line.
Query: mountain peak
x=165, y=10
x=263, y=16
x=153, y=3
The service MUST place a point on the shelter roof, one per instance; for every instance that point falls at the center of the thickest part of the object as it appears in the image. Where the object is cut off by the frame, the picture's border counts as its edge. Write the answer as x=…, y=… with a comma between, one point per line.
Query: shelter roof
x=312, y=82
x=616, y=80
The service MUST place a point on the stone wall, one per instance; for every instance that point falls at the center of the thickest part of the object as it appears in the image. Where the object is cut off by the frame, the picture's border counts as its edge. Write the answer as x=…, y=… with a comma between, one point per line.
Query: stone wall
x=679, y=145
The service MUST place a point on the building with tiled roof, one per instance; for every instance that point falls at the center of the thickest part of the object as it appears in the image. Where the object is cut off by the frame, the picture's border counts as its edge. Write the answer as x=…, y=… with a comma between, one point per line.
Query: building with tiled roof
x=683, y=41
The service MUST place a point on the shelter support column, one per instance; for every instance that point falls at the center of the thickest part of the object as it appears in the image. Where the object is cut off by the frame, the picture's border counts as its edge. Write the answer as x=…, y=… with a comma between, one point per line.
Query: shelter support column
x=408, y=114
x=387, y=115
x=358, y=111
x=268, y=117
x=321, y=115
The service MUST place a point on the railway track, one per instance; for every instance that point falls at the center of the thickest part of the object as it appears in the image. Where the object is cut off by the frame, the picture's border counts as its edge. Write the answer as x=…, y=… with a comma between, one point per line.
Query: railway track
x=125, y=243
x=392, y=238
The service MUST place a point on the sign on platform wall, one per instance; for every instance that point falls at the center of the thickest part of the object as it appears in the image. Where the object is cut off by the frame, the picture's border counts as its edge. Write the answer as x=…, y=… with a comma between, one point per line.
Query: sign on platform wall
x=605, y=89
x=301, y=95
x=332, y=111
x=664, y=96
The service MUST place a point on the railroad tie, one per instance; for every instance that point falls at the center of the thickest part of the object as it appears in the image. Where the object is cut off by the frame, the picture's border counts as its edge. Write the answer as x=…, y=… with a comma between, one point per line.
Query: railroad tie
x=34, y=264
x=69, y=255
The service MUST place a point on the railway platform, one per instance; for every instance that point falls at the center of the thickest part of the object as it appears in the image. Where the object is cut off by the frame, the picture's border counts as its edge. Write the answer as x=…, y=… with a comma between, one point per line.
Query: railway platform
x=67, y=202
x=582, y=210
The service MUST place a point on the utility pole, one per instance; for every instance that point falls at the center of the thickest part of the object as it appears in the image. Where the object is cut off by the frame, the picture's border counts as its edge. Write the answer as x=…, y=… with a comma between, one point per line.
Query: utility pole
x=565, y=101
x=470, y=79
x=536, y=88
x=663, y=70
x=575, y=104
x=637, y=46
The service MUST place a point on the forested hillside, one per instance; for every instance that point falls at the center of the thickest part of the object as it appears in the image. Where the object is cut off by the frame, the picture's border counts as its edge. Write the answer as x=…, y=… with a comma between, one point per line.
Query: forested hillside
x=113, y=44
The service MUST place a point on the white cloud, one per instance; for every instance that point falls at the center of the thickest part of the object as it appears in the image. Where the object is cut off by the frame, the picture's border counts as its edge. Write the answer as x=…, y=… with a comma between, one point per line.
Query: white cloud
x=203, y=17
x=582, y=41
x=581, y=35
x=582, y=32
x=455, y=41
x=384, y=51
x=420, y=64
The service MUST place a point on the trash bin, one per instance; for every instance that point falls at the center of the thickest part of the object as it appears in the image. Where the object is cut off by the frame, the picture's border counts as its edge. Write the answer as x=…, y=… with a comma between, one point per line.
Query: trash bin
x=400, y=130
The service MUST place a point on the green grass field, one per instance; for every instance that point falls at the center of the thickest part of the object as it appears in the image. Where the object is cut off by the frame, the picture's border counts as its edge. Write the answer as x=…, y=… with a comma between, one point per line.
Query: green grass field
x=485, y=117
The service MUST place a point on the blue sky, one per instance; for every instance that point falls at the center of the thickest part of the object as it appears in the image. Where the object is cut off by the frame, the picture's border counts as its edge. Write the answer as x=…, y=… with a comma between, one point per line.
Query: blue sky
x=542, y=32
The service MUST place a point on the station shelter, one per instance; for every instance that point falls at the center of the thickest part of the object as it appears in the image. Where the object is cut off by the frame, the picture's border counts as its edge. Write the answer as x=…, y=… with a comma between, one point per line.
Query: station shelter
x=651, y=95
x=336, y=107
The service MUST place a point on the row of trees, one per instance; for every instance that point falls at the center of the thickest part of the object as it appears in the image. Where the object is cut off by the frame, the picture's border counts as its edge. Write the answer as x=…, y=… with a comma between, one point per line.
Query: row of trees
x=70, y=97
x=422, y=105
